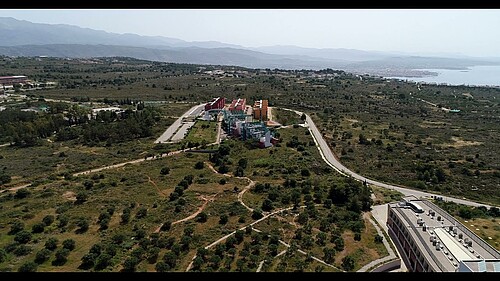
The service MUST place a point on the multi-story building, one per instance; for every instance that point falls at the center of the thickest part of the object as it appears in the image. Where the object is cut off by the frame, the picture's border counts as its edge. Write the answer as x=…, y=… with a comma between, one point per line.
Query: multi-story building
x=216, y=103
x=238, y=106
x=11, y=80
x=260, y=110
x=431, y=240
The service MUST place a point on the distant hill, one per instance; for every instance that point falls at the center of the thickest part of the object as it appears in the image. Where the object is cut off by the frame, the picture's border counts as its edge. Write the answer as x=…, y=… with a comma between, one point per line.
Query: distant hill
x=20, y=32
x=24, y=38
x=194, y=55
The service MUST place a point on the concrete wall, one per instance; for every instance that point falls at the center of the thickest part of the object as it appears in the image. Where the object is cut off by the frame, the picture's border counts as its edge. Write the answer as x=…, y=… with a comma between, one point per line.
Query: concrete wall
x=392, y=265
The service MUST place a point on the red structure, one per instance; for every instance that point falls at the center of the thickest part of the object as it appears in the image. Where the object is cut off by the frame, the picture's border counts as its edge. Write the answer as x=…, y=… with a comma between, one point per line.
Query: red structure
x=216, y=103
x=11, y=80
x=238, y=105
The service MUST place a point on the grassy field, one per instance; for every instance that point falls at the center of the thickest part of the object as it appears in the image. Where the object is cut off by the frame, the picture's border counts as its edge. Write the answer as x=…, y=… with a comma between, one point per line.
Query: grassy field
x=157, y=215
x=142, y=186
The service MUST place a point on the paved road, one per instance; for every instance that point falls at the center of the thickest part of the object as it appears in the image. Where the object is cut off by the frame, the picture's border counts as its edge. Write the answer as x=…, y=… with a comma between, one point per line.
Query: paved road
x=332, y=161
x=181, y=133
x=193, y=111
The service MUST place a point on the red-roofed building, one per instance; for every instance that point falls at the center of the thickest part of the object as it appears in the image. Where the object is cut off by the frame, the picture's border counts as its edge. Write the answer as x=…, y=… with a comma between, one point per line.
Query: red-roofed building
x=11, y=80
x=238, y=105
x=216, y=103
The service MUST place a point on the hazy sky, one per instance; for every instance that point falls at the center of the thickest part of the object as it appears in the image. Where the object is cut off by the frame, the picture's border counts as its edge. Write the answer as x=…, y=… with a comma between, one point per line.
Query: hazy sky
x=474, y=32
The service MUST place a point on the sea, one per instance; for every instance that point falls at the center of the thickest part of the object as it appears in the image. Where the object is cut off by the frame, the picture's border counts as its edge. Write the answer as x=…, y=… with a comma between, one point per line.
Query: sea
x=479, y=75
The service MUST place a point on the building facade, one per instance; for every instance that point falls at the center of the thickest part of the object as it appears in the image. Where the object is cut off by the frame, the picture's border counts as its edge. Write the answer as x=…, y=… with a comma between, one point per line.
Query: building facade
x=260, y=110
x=238, y=106
x=215, y=103
x=431, y=240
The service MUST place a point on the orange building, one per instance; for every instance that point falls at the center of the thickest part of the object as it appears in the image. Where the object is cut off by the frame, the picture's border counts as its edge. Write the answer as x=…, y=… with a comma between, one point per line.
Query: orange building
x=260, y=110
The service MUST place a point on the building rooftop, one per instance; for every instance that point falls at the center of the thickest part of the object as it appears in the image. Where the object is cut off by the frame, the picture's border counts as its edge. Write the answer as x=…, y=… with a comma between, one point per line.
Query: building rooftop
x=443, y=240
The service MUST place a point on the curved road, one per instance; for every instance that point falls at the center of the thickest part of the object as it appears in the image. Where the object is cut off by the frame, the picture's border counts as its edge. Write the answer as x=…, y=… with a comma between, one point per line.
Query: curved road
x=332, y=161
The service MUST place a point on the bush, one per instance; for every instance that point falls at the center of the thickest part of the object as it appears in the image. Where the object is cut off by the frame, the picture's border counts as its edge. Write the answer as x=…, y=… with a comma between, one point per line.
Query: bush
x=83, y=225
x=223, y=219
x=141, y=213
x=69, y=244
x=164, y=171
x=166, y=226
x=81, y=197
x=22, y=250
x=22, y=193
x=29, y=266
x=3, y=255
x=48, y=220
x=23, y=237
x=61, y=256
x=199, y=165
x=51, y=244
x=16, y=227
x=38, y=227
x=201, y=217
x=257, y=214
x=42, y=256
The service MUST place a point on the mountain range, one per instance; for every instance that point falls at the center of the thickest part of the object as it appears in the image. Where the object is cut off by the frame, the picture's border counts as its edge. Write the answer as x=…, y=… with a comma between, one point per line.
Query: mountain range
x=24, y=38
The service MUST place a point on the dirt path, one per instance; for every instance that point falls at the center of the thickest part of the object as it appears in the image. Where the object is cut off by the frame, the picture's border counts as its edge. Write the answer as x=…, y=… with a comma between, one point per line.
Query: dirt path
x=240, y=195
x=154, y=184
x=193, y=215
x=245, y=189
x=15, y=188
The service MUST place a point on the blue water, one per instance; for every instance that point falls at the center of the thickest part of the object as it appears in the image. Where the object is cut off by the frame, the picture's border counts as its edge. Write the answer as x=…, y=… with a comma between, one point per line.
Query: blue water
x=473, y=76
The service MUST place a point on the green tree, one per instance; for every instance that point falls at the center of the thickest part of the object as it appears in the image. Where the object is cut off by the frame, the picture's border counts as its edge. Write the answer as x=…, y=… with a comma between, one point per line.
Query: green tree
x=243, y=163
x=51, y=244
x=201, y=217
x=16, y=227
x=83, y=225
x=42, y=255
x=102, y=261
x=48, y=220
x=129, y=265
x=223, y=219
x=38, y=227
x=141, y=213
x=81, y=197
x=23, y=237
x=61, y=256
x=199, y=165
x=267, y=205
x=162, y=266
x=303, y=117
x=257, y=214
x=22, y=193
x=29, y=266
x=348, y=263
x=69, y=244
x=329, y=255
x=164, y=171
x=3, y=255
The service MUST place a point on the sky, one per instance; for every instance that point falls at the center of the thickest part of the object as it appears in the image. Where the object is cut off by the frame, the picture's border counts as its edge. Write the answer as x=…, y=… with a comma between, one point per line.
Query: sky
x=471, y=32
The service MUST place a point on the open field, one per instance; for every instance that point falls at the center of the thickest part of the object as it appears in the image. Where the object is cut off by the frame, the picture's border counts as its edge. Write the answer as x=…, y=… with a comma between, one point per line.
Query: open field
x=157, y=215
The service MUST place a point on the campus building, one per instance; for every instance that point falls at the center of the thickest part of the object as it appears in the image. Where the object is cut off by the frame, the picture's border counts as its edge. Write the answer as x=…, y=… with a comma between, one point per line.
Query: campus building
x=11, y=80
x=216, y=103
x=260, y=110
x=238, y=106
x=431, y=240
